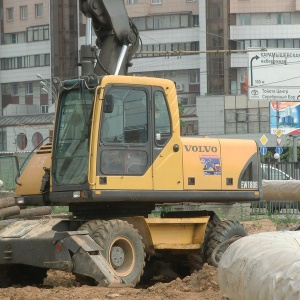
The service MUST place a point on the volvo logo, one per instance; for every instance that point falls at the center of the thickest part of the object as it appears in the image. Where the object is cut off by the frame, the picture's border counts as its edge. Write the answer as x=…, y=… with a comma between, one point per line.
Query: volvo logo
x=192, y=148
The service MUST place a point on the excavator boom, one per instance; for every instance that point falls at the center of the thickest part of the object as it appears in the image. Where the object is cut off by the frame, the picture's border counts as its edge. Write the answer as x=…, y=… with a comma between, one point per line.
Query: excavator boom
x=117, y=36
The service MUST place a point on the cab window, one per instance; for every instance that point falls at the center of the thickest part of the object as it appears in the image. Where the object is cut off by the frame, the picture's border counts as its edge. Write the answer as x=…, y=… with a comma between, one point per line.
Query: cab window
x=162, y=121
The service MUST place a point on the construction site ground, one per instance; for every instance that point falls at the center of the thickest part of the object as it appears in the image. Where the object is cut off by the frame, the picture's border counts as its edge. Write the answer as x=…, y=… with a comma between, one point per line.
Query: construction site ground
x=202, y=284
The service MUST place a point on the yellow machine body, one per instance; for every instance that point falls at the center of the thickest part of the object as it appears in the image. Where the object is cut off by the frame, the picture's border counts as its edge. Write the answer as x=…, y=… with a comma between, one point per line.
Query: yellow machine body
x=183, y=164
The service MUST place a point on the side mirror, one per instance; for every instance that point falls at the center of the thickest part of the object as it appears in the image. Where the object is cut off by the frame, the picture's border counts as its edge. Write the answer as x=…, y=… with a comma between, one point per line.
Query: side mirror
x=108, y=103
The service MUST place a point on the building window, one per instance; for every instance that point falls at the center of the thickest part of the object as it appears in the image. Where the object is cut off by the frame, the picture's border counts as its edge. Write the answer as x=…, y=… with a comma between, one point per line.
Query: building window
x=288, y=43
x=10, y=13
x=156, y=1
x=37, y=60
x=194, y=76
x=23, y=12
x=192, y=46
x=280, y=43
x=29, y=88
x=14, y=89
x=46, y=33
x=37, y=138
x=37, y=33
x=44, y=109
x=245, y=19
x=263, y=43
x=284, y=18
x=195, y=20
x=39, y=10
x=14, y=38
x=255, y=43
x=21, y=141
x=47, y=59
x=25, y=61
x=272, y=44
x=166, y=21
x=3, y=139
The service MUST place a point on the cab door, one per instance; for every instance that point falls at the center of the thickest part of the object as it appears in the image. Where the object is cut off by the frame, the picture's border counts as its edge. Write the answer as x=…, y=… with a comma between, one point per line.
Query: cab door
x=124, y=159
x=167, y=148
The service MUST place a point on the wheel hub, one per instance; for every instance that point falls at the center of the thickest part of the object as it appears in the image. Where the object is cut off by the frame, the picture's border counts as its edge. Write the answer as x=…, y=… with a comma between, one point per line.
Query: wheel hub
x=117, y=256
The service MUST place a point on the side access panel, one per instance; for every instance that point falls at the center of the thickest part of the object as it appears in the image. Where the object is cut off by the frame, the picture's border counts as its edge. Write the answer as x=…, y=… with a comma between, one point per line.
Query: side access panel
x=202, y=164
x=221, y=164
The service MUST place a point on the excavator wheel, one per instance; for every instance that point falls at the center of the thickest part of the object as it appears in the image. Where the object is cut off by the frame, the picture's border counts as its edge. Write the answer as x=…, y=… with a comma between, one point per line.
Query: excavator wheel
x=21, y=275
x=222, y=232
x=197, y=259
x=122, y=247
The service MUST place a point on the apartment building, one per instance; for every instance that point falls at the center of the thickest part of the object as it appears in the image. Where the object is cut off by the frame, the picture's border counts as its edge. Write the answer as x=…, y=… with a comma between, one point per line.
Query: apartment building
x=24, y=53
x=39, y=40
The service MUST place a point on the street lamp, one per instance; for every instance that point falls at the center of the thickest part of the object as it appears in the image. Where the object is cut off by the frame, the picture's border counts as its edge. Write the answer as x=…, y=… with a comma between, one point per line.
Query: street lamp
x=49, y=91
x=48, y=87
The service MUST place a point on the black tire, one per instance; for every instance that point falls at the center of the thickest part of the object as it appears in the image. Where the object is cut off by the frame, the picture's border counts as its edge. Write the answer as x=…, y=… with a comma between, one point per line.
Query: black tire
x=224, y=231
x=149, y=271
x=197, y=259
x=23, y=275
x=122, y=247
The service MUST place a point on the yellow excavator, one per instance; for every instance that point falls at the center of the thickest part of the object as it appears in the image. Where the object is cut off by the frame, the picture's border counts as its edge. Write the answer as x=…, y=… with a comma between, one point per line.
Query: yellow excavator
x=116, y=153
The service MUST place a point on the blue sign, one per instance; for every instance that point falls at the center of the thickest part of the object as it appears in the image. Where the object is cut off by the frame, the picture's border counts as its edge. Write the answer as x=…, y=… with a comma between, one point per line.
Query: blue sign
x=278, y=150
x=263, y=150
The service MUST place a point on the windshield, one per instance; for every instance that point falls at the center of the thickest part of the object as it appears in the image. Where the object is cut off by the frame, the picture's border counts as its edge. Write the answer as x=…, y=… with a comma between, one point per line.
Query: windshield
x=72, y=137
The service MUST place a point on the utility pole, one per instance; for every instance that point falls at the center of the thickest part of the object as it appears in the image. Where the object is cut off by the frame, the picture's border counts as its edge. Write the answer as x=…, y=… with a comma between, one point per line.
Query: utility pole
x=294, y=148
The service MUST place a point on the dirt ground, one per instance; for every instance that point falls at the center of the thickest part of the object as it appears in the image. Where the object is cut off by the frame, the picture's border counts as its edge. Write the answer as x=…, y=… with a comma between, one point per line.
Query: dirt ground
x=200, y=285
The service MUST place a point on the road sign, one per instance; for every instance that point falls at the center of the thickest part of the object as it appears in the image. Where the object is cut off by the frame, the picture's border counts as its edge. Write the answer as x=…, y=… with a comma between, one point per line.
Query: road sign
x=263, y=150
x=273, y=76
x=278, y=150
x=278, y=132
x=263, y=139
x=278, y=140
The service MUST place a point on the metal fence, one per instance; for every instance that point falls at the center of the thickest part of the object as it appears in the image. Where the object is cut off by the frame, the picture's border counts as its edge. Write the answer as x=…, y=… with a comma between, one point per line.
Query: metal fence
x=278, y=171
x=291, y=169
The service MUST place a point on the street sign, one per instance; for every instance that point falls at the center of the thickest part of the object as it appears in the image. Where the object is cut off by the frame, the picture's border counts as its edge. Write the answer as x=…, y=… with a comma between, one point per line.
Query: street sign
x=263, y=150
x=278, y=150
x=273, y=75
x=278, y=132
x=263, y=139
x=278, y=140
